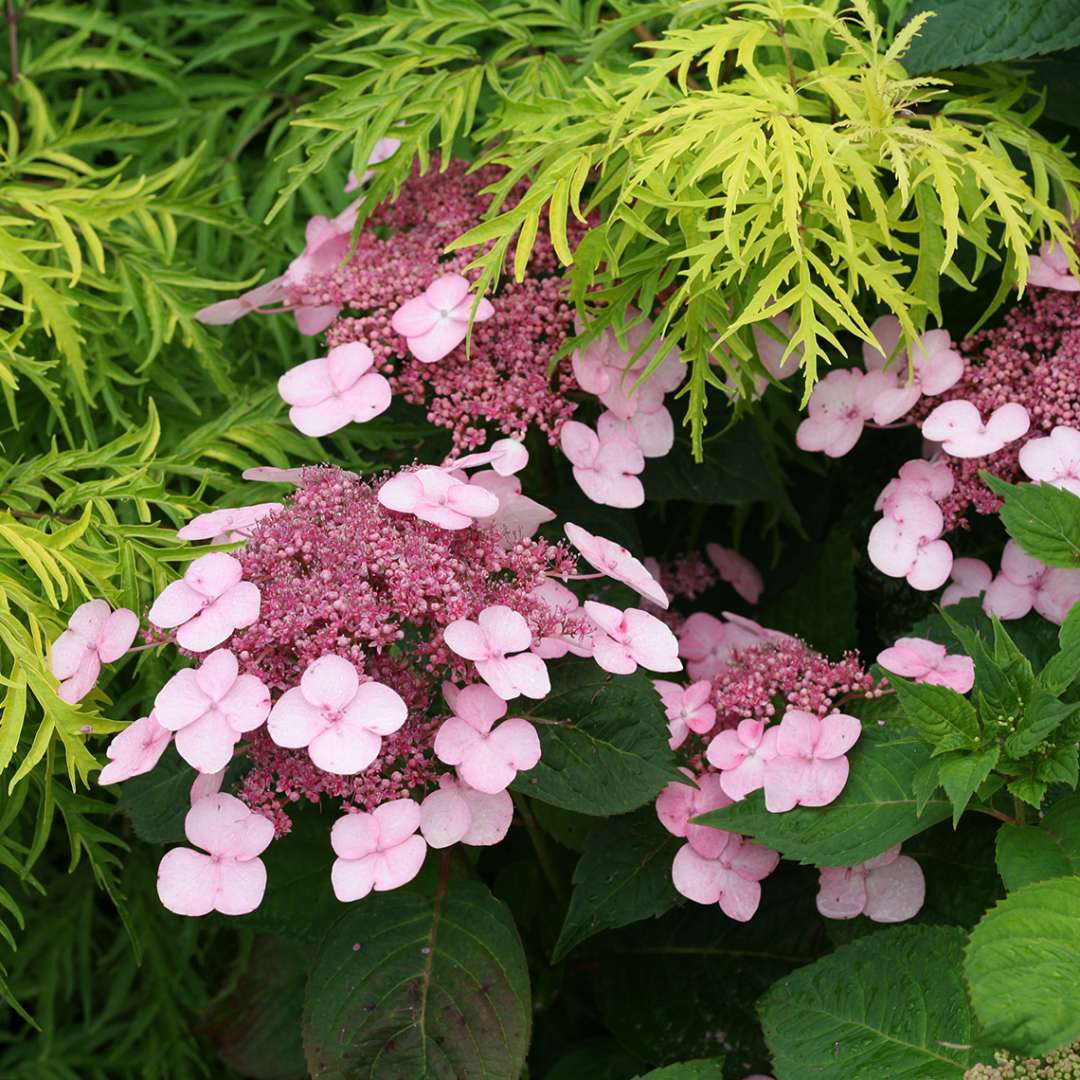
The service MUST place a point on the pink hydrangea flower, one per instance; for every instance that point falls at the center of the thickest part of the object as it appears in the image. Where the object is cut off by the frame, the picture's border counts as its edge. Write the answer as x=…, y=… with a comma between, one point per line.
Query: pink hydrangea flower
x=206, y=784
x=208, y=603
x=932, y=479
x=616, y=562
x=209, y=708
x=889, y=888
x=678, y=804
x=738, y=571
x=771, y=352
x=432, y=494
x=340, y=720
x=905, y=543
x=927, y=662
x=518, y=516
x=605, y=469
x=456, y=813
x=436, y=322
x=135, y=750
x=706, y=643
x=687, y=708
x=228, y=311
x=384, y=149
x=969, y=577
x=1054, y=459
x=230, y=877
x=742, y=754
x=959, y=428
x=487, y=757
x=1024, y=583
x=331, y=391
x=653, y=432
x=810, y=768
x=631, y=638
x=227, y=525
x=500, y=630
x=1050, y=269
x=379, y=851
x=95, y=635
x=839, y=406
x=561, y=602
x=935, y=367
x=506, y=457
x=732, y=878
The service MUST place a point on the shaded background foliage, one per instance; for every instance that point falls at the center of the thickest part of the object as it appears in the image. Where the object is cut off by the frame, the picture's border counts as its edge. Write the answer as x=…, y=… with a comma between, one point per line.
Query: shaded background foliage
x=145, y=143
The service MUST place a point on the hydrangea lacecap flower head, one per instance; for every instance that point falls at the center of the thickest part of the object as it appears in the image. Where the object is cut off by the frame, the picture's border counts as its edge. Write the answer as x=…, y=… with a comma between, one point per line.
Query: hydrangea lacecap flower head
x=95, y=635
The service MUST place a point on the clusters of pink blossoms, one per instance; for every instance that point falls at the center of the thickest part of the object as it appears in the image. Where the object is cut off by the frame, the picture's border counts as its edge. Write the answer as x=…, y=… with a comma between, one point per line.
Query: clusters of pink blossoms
x=367, y=643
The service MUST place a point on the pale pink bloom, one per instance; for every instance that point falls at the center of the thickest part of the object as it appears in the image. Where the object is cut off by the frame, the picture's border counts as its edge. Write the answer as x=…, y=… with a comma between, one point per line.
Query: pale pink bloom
x=839, y=406
x=206, y=784
x=1050, y=269
x=809, y=768
x=560, y=601
x=629, y=638
x=905, y=543
x=518, y=516
x=771, y=352
x=228, y=525
x=487, y=757
x=228, y=311
x=340, y=720
x=384, y=149
x=927, y=662
x=653, y=432
x=230, y=878
x=678, y=804
x=616, y=562
x=432, y=494
x=500, y=630
x=1025, y=583
x=687, y=708
x=742, y=754
x=270, y=474
x=458, y=813
x=379, y=851
x=969, y=577
x=731, y=878
x=208, y=603
x=738, y=571
x=436, y=322
x=935, y=367
x=331, y=391
x=604, y=368
x=958, y=426
x=135, y=750
x=209, y=708
x=95, y=635
x=606, y=470
x=889, y=888
x=706, y=644
x=933, y=479
x=506, y=457
x=1054, y=459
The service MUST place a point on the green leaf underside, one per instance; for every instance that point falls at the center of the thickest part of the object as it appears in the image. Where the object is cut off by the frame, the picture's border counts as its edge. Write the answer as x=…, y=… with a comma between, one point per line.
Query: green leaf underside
x=404, y=988
x=1023, y=967
x=605, y=748
x=875, y=810
x=890, y=1006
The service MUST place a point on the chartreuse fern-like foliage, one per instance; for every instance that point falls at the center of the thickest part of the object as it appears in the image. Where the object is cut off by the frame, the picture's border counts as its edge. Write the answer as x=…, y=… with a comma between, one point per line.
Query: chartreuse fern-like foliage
x=761, y=159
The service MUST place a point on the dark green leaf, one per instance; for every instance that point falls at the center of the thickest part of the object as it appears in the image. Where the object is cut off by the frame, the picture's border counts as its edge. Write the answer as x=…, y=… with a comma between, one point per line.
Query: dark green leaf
x=961, y=774
x=1023, y=967
x=888, y=1006
x=404, y=987
x=604, y=742
x=944, y=718
x=1027, y=853
x=1063, y=668
x=1042, y=519
x=875, y=810
x=623, y=876
x=703, y=1069
x=1030, y=789
x=1042, y=716
x=157, y=801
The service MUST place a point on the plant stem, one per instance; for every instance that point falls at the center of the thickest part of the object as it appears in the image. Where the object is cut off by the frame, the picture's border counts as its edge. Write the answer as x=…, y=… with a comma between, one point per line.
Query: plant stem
x=541, y=847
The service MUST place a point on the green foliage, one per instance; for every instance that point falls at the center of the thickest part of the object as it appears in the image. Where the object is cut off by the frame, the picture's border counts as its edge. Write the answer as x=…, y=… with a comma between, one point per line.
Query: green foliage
x=1023, y=967
x=1044, y=520
x=417, y=987
x=1049, y=849
x=979, y=31
x=820, y=1021
x=711, y=1069
x=876, y=809
x=623, y=875
x=603, y=740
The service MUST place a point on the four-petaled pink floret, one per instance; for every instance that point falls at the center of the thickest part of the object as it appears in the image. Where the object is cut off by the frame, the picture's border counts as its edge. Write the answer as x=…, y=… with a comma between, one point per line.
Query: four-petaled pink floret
x=678, y=804
x=433, y=495
x=627, y=639
x=888, y=888
x=742, y=755
x=135, y=750
x=959, y=428
x=377, y=851
x=731, y=878
x=497, y=632
x=95, y=635
x=809, y=768
x=616, y=562
x=605, y=465
x=687, y=708
x=927, y=662
x=436, y=322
